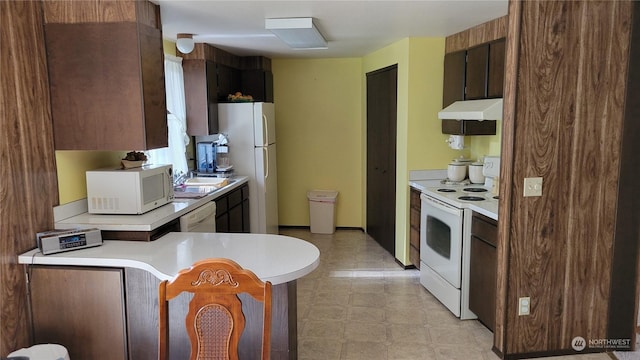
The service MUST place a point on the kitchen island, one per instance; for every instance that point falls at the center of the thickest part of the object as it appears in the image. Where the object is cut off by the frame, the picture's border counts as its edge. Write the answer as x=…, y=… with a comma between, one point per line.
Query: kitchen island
x=101, y=303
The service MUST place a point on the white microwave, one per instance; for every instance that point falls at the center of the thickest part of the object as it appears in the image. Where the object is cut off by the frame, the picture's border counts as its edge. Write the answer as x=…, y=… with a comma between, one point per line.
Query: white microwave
x=129, y=191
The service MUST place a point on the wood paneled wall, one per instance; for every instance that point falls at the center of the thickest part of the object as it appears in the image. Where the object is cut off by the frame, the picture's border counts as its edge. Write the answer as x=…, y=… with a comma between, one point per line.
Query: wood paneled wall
x=28, y=189
x=483, y=33
x=71, y=12
x=564, y=117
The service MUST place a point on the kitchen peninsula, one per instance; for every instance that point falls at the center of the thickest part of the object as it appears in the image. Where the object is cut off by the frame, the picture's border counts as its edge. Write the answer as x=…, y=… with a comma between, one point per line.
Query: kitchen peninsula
x=101, y=302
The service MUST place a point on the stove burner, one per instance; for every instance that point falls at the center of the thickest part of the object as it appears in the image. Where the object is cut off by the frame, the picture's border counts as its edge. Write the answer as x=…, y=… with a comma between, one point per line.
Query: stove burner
x=471, y=198
x=475, y=190
x=446, y=190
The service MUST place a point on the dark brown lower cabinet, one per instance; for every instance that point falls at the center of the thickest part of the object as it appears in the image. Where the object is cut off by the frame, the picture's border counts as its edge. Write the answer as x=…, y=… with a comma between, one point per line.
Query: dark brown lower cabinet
x=80, y=308
x=414, y=227
x=482, y=280
x=232, y=211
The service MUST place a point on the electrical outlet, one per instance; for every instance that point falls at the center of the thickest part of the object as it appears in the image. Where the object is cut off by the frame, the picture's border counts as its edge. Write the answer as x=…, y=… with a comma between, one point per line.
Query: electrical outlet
x=524, y=306
x=533, y=186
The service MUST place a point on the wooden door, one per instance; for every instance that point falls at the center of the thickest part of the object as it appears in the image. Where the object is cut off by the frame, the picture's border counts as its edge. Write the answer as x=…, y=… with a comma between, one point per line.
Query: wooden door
x=381, y=155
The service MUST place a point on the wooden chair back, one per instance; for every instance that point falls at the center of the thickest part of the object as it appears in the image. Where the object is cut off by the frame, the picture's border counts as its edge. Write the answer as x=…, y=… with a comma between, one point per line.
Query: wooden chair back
x=215, y=320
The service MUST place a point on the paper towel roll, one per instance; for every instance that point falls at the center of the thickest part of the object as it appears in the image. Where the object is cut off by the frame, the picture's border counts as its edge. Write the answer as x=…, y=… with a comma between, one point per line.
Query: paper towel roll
x=456, y=142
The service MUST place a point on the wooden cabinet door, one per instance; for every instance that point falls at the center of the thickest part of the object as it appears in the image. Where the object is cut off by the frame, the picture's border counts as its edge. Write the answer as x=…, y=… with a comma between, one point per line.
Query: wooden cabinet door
x=211, y=120
x=235, y=219
x=81, y=309
x=258, y=84
x=154, y=94
x=201, y=96
x=495, y=79
x=246, y=217
x=482, y=282
x=414, y=227
x=228, y=81
x=222, y=223
x=454, y=77
x=483, y=268
x=96, y=84
x=232, y=211
x=106, y=77
x=476, y=72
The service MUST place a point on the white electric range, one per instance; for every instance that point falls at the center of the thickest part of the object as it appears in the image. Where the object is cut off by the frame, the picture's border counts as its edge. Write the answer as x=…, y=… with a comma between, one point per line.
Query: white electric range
x=445, y=231
x=476, y=197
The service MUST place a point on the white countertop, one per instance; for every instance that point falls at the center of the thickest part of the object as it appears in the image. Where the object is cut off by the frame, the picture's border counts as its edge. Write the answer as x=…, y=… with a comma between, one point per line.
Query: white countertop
x=149, y=220
x=274, y=258
x=488, y=207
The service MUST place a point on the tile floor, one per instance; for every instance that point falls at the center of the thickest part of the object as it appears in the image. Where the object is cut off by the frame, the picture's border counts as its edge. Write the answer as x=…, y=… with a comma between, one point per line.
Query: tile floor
x=360, y=304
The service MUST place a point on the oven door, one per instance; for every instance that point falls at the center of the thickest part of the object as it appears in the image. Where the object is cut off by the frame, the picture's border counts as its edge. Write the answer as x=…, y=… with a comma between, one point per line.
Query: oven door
x=441, y=238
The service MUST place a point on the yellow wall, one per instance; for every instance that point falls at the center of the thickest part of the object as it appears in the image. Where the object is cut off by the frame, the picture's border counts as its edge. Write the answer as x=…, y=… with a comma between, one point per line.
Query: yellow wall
x=482, y=146
x=71, y=167
x=169, y=47
x=321, y=129
x=319, y=136
x=426, y=143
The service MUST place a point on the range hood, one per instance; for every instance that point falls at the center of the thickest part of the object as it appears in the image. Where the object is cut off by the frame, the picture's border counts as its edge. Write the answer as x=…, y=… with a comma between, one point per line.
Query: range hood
x=485, y=109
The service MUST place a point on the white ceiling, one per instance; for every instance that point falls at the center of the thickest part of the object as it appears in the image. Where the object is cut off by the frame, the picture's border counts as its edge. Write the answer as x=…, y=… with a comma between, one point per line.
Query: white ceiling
x=352, y=28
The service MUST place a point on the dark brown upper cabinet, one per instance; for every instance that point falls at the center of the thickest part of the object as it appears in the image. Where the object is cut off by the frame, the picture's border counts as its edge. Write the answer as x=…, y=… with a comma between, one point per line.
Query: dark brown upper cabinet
x=485, y=70
x=477, y=71
x=454, y=77
x=229, y=81
x=495, y=78
x=211, y=75
x=106, y=75
x=472, y=74
x=257, y=78
x=201, y=96
x=259, y=84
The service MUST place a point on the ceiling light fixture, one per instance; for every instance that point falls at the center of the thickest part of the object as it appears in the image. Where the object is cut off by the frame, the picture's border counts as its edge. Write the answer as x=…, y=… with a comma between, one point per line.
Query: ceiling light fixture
x=185, y=43
x=298, y=33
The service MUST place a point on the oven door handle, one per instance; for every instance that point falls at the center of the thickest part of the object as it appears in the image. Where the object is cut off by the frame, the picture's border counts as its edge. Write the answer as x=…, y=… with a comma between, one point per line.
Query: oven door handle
x=440, y=205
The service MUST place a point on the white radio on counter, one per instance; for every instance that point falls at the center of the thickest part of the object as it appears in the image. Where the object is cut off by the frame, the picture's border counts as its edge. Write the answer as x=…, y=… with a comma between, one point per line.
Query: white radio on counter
x=55, y=241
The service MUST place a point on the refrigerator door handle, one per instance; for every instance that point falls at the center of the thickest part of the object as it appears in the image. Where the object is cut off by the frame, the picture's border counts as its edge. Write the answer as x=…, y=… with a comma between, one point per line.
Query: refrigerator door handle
x=265, y=130
x=266, y=162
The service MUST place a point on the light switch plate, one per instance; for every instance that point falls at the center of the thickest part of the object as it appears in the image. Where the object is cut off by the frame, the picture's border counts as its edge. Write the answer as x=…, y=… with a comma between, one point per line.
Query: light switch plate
x=533, y=186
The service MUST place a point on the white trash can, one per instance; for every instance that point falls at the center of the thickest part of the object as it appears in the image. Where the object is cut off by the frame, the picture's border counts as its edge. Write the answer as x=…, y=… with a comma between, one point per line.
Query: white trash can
x=322, y=211
x=42, y=352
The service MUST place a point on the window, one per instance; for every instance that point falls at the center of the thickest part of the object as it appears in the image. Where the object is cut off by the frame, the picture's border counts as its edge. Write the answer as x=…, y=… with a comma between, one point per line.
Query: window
x=175, y=153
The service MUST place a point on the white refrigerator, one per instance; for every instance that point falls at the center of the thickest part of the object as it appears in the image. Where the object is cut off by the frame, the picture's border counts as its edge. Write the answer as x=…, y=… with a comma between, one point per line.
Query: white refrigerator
x=250, y=128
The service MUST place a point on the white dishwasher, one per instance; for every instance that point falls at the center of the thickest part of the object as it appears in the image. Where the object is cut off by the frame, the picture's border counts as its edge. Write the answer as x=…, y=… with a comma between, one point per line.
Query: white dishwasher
x=202, y=219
